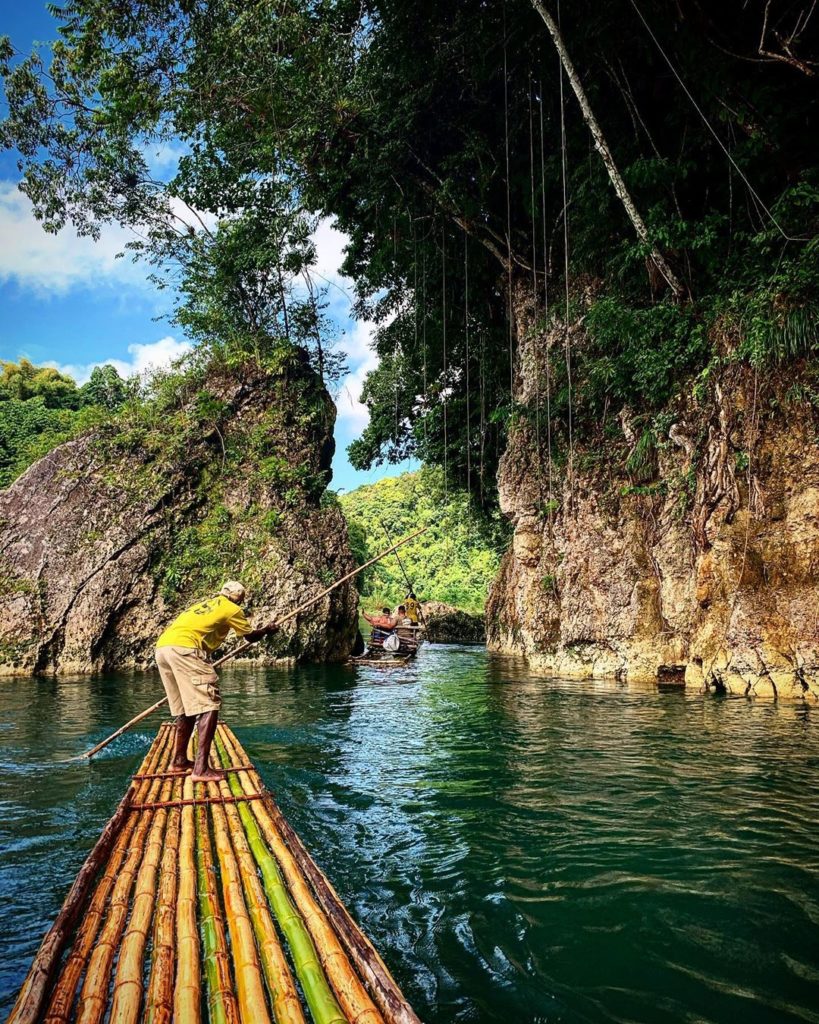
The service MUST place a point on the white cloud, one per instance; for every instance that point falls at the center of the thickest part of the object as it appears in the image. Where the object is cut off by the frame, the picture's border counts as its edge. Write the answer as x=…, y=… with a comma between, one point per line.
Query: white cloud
x=153, y=355
x=353, y=415
x=57, y=263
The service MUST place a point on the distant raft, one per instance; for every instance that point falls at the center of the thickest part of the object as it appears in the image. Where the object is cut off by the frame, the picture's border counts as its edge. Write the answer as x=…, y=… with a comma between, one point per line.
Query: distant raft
x=200, y=903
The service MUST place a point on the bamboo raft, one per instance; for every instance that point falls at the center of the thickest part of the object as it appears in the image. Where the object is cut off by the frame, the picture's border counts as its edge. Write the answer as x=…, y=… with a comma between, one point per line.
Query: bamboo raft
x=410, y=637
x=200, y=903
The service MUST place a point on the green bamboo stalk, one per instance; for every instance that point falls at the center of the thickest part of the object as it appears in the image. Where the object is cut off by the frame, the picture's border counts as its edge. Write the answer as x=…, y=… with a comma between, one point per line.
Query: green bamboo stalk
x=320, y=999
x=353, y=998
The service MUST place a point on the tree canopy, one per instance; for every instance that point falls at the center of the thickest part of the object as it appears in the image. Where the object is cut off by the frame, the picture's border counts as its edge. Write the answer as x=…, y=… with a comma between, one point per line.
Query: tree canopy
x=446, y=141
x=454, y=561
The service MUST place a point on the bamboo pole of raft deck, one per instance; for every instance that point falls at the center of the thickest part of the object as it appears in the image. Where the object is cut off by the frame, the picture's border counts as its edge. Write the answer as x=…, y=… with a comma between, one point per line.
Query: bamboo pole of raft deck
x=65, y=988
x=222, y=1006
x=350, y=992
x=320, y=999
x=250, y=992
x=159, y=1000
x=129, y=979
x=94, y=993
x=243, y=647
x=29, y=1004
x=360, y=950
x=284, y=997
x=187, y=993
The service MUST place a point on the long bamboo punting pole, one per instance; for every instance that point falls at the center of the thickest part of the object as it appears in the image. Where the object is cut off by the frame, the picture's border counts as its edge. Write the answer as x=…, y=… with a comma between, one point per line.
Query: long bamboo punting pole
x=350, y=992
x=284, y=997
x=159, y=998
x=29, y=1005
x=187, y=993
x=243, y=647
x=65, y=988
x=362, y=953
x=222, y=1006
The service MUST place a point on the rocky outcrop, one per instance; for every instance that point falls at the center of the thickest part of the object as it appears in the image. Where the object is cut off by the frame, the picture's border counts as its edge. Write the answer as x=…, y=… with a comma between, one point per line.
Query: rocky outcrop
x=223, y=473
x=446, y=624
x=702, y=569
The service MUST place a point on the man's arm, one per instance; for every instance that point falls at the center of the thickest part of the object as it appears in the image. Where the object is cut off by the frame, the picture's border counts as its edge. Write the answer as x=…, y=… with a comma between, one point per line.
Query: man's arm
x=262, y=631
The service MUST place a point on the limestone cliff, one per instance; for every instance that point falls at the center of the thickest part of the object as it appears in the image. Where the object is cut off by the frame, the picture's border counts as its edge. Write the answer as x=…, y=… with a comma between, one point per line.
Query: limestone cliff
x=704, y=567
x=221, y=473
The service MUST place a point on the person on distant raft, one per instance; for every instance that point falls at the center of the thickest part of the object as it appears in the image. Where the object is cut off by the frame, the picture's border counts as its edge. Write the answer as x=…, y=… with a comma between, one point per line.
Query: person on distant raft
x=190, y=681
x=382, y=624
x=402, y=617
x=413, y=607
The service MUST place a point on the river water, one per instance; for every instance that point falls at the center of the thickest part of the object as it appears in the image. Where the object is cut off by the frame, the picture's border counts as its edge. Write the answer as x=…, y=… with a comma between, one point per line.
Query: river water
x=519, y=849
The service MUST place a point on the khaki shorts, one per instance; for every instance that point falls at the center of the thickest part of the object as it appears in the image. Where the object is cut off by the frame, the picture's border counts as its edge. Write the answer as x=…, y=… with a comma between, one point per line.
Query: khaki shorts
x=190, y=682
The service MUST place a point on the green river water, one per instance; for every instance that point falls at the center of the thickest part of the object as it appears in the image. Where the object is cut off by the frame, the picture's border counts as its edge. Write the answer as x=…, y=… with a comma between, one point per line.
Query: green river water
x=519, y=849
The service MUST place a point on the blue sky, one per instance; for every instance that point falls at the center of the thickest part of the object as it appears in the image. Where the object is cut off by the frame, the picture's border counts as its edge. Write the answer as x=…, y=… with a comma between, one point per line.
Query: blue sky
x=70, y=302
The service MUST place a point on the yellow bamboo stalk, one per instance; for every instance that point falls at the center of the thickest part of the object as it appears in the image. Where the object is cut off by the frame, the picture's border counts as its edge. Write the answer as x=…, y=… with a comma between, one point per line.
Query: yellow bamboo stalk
x=126, y=1000
x=249, y=983
x=222, y=1005
x=284, y=997
x=94, y=994
x=362, y=953
x=349, y=990
x=187, y=992
x=159, y=999
x=62, y=997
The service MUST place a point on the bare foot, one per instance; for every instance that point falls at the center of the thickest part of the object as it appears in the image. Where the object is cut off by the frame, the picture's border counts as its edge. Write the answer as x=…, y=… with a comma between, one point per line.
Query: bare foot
x=181, y=767
x=209, y=775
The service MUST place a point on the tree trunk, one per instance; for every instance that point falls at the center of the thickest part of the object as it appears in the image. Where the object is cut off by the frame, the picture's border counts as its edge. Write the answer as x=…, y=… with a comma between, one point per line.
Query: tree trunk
x=603, y=149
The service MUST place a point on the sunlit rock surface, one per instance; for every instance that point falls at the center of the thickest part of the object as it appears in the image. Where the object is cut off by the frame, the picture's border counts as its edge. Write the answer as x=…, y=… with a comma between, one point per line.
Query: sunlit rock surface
x=706, y=572
x=105, y=539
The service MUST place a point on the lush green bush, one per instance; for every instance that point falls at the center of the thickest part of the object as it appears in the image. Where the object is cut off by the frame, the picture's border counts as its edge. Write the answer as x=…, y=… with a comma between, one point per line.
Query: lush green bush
x=40, y=408
x=455, y=561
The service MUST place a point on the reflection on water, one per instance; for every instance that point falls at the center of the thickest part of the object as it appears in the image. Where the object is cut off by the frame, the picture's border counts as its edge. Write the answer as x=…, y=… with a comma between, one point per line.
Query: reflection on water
x=519, y=849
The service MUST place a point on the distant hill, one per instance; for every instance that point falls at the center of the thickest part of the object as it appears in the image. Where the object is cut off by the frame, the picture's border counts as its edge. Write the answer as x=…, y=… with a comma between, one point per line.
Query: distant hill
x=454, y=562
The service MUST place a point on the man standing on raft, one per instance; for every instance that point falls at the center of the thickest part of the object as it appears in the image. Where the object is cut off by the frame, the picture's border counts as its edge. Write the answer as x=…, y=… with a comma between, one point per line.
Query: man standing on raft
x=190, y=681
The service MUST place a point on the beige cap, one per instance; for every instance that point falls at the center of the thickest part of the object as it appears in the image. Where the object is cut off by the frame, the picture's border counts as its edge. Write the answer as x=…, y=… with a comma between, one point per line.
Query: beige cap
x=233, y=590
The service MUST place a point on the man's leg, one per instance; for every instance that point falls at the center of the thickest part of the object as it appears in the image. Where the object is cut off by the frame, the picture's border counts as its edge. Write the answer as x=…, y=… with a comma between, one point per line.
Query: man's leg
x=206, y=731
x=184, y=728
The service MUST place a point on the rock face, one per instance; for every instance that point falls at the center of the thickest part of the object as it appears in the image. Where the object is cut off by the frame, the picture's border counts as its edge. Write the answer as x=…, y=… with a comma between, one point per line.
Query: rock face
x=705, y=572
x=449, y=625
x=106, y=538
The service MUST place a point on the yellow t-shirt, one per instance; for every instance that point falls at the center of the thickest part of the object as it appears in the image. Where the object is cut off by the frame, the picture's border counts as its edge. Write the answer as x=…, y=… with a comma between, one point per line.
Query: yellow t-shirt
x=412, y=607
x=205, y=625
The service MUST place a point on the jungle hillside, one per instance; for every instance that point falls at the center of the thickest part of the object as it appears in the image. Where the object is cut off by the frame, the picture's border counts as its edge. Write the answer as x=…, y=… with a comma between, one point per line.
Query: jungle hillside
x=455, y=561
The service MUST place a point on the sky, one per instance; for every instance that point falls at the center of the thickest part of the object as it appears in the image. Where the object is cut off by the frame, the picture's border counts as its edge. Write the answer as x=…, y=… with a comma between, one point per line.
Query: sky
x=72, y=303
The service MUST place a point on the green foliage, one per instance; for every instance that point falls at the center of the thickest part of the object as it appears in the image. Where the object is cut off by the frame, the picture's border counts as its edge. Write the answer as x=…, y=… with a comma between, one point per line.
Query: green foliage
x=455, y=561
x=287, y=109
x=40, y=408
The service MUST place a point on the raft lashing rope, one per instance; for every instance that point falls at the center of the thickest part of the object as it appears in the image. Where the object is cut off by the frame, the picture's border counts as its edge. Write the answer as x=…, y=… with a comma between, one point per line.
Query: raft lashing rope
x=200, y=903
